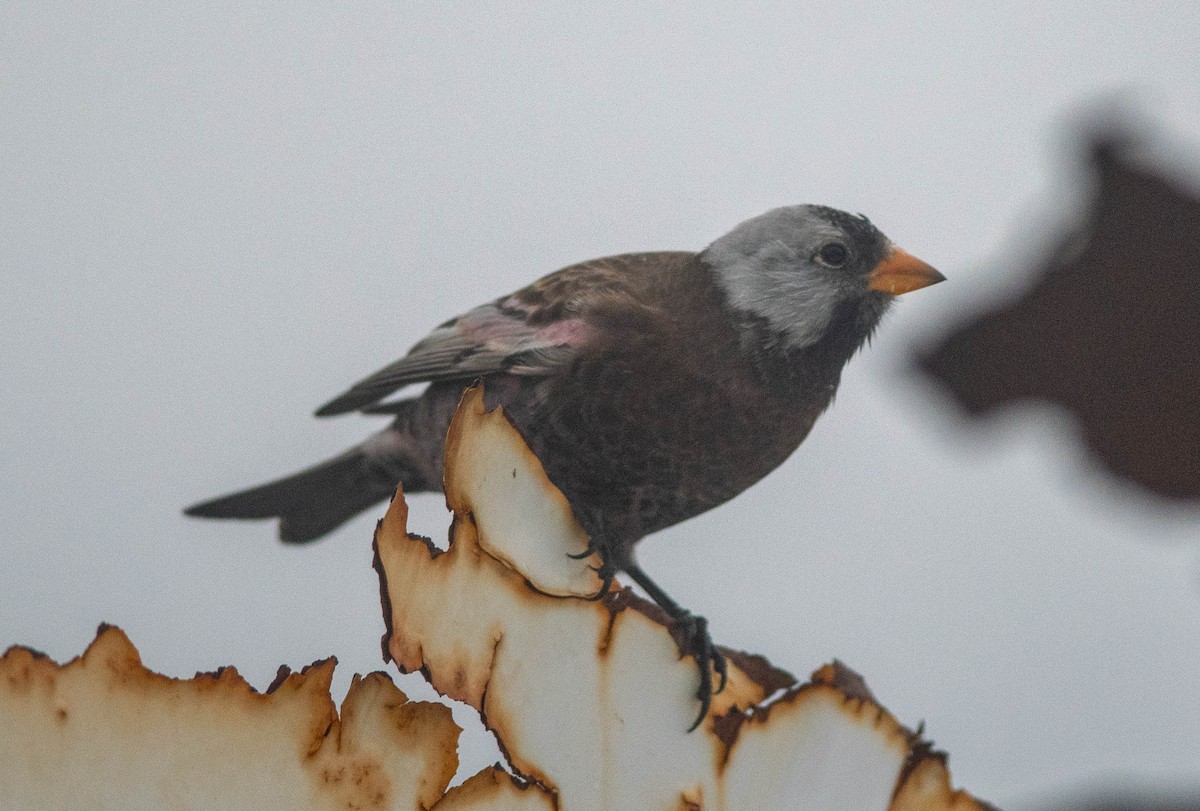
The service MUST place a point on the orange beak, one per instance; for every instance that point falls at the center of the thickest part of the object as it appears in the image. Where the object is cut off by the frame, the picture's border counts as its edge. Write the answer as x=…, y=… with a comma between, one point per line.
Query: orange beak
x=900, y=272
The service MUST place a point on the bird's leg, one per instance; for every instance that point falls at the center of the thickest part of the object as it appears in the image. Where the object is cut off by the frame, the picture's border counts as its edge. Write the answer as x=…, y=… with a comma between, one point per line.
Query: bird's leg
x=692, y=635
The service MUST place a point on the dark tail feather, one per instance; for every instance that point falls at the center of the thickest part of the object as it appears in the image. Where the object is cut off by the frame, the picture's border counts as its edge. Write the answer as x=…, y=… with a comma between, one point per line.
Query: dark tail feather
x=310, y=503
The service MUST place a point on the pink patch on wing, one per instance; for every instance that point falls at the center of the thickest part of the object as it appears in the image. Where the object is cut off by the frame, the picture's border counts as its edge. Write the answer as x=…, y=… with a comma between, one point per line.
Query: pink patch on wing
x=488, y=325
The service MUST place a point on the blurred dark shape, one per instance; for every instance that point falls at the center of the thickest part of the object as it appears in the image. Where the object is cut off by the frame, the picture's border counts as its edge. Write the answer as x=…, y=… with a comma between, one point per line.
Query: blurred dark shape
x=1110, y=329
x=1127, y=801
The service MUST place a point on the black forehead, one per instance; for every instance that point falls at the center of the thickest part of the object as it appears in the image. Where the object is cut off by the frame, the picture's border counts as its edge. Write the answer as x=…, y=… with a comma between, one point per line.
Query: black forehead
x=862, y=234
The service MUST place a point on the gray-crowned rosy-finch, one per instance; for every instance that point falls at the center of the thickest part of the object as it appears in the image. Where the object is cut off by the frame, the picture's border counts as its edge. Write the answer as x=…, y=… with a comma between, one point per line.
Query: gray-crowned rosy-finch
x=652, y=386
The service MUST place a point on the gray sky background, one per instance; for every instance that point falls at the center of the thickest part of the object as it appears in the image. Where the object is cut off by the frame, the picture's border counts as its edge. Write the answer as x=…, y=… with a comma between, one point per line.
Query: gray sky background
x=215, y=216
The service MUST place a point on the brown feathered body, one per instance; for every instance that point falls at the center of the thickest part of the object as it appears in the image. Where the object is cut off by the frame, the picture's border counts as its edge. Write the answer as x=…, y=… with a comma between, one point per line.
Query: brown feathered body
x=651, y=423
x=652, y=386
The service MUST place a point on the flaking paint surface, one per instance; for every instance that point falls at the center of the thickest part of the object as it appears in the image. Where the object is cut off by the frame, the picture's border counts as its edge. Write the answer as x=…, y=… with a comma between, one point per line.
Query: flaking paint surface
x=590, y=700
x=103, y=732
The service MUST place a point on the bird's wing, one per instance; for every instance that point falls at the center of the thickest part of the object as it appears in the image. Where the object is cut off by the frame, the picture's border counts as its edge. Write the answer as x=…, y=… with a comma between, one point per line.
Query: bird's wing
x=533, y=332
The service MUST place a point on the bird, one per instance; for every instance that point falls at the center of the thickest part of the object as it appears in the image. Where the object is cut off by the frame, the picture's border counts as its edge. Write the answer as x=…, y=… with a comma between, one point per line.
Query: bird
x=651, y=386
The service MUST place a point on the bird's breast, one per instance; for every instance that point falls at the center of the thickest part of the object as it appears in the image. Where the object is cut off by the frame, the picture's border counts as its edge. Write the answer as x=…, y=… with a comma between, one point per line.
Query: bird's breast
x=648, y=436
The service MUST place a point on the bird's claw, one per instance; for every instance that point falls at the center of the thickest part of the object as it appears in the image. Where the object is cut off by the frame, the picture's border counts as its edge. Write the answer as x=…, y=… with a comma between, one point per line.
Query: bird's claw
x=607, y=575
x=694, y=639
x=591, y=549
x=607, y=570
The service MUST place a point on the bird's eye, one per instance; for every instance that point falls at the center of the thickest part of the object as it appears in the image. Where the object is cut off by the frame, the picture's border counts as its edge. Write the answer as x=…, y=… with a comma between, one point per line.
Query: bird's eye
x=834, y=254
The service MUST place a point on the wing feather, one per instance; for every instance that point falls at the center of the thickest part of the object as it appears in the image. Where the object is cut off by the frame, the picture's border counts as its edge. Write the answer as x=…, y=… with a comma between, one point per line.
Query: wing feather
x=534, y=332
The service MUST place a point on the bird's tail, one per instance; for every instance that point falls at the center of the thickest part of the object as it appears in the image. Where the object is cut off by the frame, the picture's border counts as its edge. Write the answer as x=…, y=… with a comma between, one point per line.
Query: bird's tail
x=321, y=498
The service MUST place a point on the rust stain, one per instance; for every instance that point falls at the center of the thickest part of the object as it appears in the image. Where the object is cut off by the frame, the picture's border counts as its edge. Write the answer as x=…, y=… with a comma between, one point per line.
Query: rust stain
x=498, y=720
x=359, y=785
x=125, y=702
x=464, y=653
x=830, y=679
x=845, y=680
x=398, y=511
x=32, y=653
x=24, y=667
x=20, y=675
x=281, y=676
x=927, y=788
x=726, y=727
x=494, y=787
x=434, y=593
x=760, y=671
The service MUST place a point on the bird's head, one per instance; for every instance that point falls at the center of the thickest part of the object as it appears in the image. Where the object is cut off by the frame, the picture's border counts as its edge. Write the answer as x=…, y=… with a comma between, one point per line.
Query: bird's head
x=802, y=274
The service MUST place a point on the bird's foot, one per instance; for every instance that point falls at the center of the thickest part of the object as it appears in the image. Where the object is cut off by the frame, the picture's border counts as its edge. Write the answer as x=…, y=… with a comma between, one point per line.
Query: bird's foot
x=691, y=633
x=607, y=570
